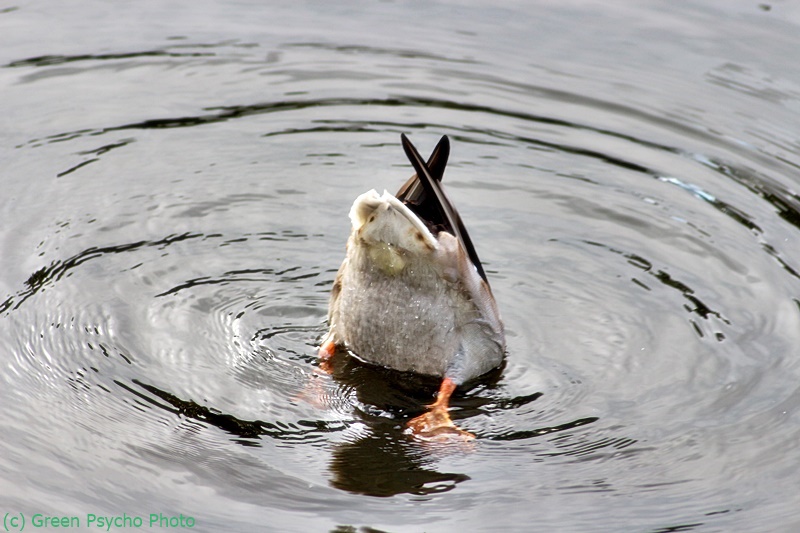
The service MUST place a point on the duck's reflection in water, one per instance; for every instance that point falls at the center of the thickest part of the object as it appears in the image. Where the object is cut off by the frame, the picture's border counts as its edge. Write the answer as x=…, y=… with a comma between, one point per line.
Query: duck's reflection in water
x=378, y=456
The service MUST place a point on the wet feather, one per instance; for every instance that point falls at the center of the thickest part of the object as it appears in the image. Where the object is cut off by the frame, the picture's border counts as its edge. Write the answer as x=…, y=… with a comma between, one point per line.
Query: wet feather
x=411, y=293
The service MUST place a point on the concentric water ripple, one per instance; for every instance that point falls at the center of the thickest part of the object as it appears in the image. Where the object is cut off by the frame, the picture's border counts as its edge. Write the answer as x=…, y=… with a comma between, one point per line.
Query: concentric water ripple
x=176, y=210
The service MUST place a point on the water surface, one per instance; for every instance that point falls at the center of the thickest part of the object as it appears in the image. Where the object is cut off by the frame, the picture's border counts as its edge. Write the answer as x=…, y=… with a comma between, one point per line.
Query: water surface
x=175, y=186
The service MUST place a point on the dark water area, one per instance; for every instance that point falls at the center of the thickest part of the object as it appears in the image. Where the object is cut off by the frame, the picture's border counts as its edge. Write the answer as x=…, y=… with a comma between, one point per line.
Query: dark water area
x=175, y=183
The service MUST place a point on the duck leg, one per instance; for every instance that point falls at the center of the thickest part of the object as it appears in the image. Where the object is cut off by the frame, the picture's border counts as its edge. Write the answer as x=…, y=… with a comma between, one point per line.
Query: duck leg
x=326, y=352
x=436, y=423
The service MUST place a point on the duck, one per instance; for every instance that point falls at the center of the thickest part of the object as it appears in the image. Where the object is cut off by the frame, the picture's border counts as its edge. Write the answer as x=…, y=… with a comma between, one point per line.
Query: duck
x=411, y=293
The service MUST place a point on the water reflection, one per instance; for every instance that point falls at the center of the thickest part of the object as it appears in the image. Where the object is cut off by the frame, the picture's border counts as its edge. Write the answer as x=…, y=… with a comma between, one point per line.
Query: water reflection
x=378, y=464
x=380, y=461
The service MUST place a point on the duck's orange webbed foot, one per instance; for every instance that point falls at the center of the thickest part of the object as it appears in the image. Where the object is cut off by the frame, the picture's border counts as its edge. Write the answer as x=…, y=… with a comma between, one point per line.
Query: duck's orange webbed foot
x=436, y=423
x=326, y=352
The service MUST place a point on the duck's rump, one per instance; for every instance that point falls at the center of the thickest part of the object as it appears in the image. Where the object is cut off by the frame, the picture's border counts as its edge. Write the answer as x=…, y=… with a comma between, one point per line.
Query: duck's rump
x=413, y=321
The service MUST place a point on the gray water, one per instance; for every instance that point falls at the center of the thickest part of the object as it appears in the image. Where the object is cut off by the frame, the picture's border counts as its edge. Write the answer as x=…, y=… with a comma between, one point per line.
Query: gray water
x=175, y=181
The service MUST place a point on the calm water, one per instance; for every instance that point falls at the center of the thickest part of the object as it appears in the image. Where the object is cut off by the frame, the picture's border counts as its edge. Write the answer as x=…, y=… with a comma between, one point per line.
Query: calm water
x=175, y=181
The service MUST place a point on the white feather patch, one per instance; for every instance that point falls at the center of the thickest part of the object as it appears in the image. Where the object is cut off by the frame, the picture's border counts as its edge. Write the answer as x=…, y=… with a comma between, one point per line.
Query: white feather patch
x=370, y=202
x=414, y=219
